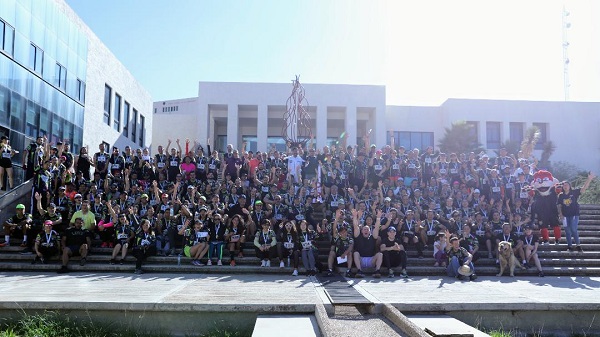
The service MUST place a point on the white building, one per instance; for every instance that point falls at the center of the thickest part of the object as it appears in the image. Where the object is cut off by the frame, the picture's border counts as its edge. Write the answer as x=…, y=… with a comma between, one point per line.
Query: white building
x=230, y=113
x=59, y=80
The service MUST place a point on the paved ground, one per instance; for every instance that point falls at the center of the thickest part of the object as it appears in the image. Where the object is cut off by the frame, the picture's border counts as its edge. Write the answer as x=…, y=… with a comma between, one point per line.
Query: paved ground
x=164, y=293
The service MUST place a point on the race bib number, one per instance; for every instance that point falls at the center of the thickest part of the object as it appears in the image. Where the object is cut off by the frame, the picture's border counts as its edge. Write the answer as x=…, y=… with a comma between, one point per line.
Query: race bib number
x=5, y=154
x=306, y=244
x=116, y=166
x=428, y=160
x=412, y=166
x=146, y=158
x=334, y=204
x=145, y=242
x=409, y=233
x=496, y=189
x=443, y=171
x=122, y=236
x=173, y=163
x=153, y=202
x=288, y=245
x=510, y=185
x=299, y=217
x=265, y=189
x=497, y=231
x=377, y=167
x=201, y=166
x=161, y=165
x=430, y=233
x=179, y=227
x=202, y=235
x=453, y=171
x=101, y=158
x=212, y=166
x=235, y=238
x=523, y=195
x=480, y=233
x=396, y=167
x=278, y=216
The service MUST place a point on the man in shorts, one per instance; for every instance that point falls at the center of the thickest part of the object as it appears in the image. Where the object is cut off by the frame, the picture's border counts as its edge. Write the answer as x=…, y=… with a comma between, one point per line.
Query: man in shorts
x=365, y=252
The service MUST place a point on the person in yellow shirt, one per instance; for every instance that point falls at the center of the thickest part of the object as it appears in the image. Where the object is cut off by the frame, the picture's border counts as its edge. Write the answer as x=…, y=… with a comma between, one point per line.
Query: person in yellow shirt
x=89, y=220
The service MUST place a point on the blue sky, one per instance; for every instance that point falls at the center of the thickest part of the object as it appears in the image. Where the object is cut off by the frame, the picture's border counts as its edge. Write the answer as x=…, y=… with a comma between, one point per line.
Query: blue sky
x=424, y=52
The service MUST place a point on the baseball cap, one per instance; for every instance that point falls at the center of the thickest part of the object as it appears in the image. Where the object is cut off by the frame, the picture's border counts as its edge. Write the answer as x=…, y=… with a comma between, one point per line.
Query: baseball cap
x=144, y=195
x=387, y=199
x=77, y=196
x=258, y=202
x=20, y=206
x=393, y=229
x=48, y=222
x=476, y=191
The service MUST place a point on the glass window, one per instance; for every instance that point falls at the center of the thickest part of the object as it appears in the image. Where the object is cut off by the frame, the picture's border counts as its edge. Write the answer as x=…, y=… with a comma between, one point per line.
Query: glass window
x=277, y=143
x=126, y=119
x=107, y=98
x=36, y=59
x=251, y=143
x=142, y=129
x=32, y=119
x=411, y=140
x=7, y=37
x=17, y=112
x=117, y=121
x=80, y=91
x=44, y=122
x=493, y=135
x=134, y=125
x=60, y=77
x=516, y=132
x=4, y=111
x=543, y=127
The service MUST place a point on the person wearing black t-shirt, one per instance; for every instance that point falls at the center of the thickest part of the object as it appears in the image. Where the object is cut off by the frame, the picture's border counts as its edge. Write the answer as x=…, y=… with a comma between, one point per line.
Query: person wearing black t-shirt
x=47, y=243
x=531, y=244
x=76, y=241
x=393, y=252
x=365, y=254
x=568, y=211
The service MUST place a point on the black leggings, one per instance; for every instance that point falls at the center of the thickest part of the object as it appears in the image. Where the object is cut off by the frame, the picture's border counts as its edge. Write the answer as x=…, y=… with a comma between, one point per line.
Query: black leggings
x=264, y=255
x=392, y=259
x=141, y=254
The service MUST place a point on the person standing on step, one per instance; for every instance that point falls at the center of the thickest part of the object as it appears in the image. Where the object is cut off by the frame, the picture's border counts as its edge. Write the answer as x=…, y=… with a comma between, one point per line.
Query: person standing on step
x=307, y=238
x=288, y=245
x=568, y=211
x=6, y=154
x=218, y=232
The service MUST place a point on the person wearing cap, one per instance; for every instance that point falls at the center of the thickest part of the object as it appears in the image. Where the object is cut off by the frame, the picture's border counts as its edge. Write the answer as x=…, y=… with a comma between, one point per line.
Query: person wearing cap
x=393, y=252
x=47, y=243
x=76, y=241
x=458, y=257
x=18, y=225
x=365, y=252
x=34, y=155
x=49, y=214
x=258, y=213
x=265, y=242
x=531, y=244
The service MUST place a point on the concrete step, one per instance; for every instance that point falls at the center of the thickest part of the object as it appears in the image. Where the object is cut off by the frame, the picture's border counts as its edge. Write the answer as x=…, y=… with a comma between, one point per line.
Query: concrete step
x=444, y=325
x=271, y=325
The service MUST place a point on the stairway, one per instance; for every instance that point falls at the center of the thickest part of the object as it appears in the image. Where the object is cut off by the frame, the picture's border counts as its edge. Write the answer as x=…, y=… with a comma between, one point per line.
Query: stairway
x=556, y=261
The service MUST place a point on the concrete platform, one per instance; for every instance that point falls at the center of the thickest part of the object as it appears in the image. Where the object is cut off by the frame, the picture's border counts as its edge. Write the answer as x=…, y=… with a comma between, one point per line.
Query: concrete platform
x=295, y=326
x=155, y=299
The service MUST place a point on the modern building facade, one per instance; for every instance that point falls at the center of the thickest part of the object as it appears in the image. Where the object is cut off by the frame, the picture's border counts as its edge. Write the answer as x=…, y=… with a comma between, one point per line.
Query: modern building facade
x=58, y=79
x=231, y=113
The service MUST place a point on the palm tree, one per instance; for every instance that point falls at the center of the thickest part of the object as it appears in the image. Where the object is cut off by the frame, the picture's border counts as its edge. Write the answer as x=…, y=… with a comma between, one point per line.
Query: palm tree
x=458, y=138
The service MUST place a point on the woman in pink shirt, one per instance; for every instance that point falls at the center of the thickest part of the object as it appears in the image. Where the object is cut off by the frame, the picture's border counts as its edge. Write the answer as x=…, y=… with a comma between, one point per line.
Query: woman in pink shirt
x=187, y=166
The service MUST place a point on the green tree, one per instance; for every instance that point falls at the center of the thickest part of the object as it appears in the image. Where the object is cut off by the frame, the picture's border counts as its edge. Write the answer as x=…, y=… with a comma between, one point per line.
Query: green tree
x=457, y=138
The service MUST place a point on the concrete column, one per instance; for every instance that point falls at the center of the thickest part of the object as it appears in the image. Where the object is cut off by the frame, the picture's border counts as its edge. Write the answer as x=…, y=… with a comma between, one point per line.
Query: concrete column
x=232, y=125
x=483, y=134
x=262, y=127
x=380, y=130
x=203, y=119
x=351, y=125
x=321, y=135
x=505, y=127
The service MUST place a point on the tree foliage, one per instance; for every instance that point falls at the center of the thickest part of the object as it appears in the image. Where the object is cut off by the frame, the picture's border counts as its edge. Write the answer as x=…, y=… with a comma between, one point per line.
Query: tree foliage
x=457, y=139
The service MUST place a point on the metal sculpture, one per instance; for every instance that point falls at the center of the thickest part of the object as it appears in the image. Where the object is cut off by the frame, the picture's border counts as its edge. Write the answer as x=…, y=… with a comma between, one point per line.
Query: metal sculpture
x=296, y=121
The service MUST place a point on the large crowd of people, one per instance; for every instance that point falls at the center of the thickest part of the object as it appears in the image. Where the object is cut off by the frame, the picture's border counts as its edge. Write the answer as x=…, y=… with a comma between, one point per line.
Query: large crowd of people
x=372, y=204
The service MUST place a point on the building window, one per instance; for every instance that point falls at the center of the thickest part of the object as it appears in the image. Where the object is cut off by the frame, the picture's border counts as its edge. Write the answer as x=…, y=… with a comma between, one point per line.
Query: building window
x=411, y=140
x=516, y=132
x=60, y=77
x=473, y=131
x=493, y=135
x=106, y=147
x=80, y=91
x=107, y=98
x=142, y=129
x=117, y=121
x=543, y=127
x=134, y=125
x=7, y=37
x=36, y=59
x=126, y=119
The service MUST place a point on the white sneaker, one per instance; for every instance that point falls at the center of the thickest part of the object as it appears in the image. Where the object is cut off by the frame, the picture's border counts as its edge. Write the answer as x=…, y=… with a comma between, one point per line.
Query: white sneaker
x=209, y=263
x=295, y=273
x=219, y=263
x=281, y=264
x=263, y=263
x=268, y=263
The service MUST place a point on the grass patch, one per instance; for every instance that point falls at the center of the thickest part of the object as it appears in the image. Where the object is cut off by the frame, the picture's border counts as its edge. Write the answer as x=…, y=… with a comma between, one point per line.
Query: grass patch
x=53, y=324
